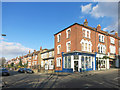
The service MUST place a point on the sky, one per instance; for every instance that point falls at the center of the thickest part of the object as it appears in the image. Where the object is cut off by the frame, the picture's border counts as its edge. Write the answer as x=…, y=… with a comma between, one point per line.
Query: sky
x=29, y=25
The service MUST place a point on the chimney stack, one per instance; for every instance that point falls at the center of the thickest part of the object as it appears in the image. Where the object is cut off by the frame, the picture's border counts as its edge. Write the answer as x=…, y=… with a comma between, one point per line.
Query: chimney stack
x=29, y=51
x=116, y=34
x=40, y=48
x=34, y=50
x=98, y=27
x=85, y=22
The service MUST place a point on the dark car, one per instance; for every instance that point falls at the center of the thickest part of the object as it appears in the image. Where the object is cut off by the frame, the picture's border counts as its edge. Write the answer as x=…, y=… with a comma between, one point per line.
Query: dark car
x=4, y=72
x=28, y=70
x=21, y=70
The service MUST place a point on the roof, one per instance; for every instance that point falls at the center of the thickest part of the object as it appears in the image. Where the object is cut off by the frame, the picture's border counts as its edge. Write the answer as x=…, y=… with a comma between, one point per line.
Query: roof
x=91, y=28
x=48, y=50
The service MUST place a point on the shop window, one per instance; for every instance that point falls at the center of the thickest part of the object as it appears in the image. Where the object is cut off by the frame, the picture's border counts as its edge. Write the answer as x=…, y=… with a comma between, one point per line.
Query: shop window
x=67, y=62
x=58, y=61
x=82, y=62
x=89, y=62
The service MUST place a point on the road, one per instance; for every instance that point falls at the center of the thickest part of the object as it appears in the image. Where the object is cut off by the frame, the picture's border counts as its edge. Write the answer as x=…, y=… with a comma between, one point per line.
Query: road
x=93, y=79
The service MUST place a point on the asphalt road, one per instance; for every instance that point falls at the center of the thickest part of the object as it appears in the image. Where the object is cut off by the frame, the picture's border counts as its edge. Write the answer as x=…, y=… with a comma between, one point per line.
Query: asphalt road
x=93, y=79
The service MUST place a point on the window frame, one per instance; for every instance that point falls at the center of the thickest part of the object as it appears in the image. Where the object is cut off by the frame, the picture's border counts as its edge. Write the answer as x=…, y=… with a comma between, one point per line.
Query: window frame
x=101, y=38
x=112, y=40
x=59, y=37
x=58, y=49
x=58, y=62
x=67, y=34
x=67, y=46
x=85, y=34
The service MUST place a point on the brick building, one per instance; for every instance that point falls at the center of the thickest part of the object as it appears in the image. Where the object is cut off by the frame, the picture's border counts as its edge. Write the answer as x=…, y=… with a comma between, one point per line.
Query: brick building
x=80, y=47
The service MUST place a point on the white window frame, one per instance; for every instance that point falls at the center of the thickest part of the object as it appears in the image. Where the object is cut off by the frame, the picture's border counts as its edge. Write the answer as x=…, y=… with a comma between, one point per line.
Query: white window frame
x=35, y=57
x=50, y=64
x=58, y=62
x=41, y=55
x=100, y=37
x=112, y=49
x=69, y=42
x=88, y=42
x=58, y=38
x=112, y=40
x=58, y=49
x=86, y=32
x=67, y=32
x=42, y=63
x=103, y=48
x=50, y=54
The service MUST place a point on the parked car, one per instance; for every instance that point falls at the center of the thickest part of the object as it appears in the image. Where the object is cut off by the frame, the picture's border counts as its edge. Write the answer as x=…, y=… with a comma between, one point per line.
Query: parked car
x=4, y=72
x=28, y=70
x=21, y=70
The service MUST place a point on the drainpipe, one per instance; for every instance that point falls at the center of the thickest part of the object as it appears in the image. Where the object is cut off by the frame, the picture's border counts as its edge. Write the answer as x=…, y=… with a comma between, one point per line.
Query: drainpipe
x=62, y=60
x=95, y=59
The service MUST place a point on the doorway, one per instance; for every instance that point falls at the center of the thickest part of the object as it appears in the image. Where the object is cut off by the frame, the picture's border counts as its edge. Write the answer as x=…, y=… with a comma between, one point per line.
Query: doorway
x=75, y=66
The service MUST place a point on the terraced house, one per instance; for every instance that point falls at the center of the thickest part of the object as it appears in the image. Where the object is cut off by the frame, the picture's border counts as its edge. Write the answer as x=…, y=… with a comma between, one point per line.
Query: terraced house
x=47, y=60
x=80, y=47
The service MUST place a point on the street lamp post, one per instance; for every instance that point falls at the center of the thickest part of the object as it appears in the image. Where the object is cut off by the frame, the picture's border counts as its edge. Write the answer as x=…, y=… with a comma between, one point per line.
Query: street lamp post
x=3, y=34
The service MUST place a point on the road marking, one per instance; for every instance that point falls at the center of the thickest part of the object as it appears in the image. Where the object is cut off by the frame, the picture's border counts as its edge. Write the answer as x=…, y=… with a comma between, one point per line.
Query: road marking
x=116, y=78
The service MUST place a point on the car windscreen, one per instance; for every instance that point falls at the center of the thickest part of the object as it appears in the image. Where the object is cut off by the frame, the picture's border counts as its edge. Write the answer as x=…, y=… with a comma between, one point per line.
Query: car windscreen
x=4, y=70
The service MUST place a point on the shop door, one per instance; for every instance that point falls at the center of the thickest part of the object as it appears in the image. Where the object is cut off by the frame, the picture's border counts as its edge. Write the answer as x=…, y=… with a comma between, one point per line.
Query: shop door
x=76, y=66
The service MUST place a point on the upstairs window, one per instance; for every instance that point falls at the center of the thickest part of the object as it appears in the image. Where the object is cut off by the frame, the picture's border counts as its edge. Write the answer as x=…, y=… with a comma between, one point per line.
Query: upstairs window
x=83, y=33
x=50, y=54
x=68, y=32
x=68, y=45
x=101, y=38
x=112, y=49
x=58, y=49
x=58, y=37
x=112, y=40
x=86, y=33
x=101, y=48
x=86, y=45
x=35, y=57
x=82, y=46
